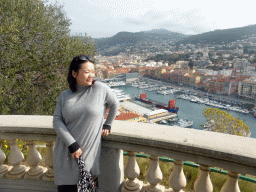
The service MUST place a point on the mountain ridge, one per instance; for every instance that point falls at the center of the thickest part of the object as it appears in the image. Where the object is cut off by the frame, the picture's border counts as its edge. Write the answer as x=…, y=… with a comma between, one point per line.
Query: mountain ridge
x=220, y=36
x=120, y=41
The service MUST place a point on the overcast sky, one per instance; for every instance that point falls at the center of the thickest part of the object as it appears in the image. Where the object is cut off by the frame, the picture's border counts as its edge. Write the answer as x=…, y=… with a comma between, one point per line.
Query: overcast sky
x=105, y=18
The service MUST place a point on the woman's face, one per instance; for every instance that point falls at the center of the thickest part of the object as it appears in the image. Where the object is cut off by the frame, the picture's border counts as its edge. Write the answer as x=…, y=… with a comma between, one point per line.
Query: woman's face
x=85, y=74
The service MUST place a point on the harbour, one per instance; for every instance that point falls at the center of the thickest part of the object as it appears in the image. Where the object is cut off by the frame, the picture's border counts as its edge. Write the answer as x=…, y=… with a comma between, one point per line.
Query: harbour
x=190, y=111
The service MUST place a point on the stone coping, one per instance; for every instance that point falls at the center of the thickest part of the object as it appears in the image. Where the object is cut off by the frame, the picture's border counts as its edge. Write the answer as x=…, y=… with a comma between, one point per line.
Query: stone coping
x=218, y=146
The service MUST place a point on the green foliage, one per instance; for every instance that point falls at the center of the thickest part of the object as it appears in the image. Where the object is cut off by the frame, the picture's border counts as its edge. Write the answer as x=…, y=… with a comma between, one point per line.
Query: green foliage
x=35, y=53
x=5, y=147
x=224, y=122
x=190, y=64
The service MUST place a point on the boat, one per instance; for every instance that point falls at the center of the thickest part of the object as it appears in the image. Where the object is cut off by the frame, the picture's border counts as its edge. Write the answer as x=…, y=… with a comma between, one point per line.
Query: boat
x=185, y=123
x=116, y=84
x=163, y=121
x=173, y=119
x=171, y=105
x=208, y=125
x=120, y=95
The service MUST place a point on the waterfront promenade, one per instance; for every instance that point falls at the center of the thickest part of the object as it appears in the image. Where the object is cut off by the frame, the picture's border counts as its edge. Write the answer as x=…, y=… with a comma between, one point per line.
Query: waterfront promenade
x=214, y=96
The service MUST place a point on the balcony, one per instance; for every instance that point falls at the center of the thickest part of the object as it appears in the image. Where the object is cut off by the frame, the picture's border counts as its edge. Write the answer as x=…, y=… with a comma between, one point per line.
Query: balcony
x=235, y=154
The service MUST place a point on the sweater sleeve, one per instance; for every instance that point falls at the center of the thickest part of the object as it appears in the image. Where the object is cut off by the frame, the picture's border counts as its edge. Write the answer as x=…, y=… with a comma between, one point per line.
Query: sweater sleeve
x=113, y=103
x=59, y=125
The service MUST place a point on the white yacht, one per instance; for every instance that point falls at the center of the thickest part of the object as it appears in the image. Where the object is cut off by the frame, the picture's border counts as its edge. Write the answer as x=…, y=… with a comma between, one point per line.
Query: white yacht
x=163, y=121
x=121, y=96
x=185, y=123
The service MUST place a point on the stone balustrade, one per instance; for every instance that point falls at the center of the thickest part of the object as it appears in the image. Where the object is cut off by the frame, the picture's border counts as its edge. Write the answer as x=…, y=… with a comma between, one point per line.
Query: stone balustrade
x=207, y=149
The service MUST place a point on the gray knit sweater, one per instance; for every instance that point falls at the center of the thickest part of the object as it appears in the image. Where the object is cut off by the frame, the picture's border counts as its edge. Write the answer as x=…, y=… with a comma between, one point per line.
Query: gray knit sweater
x=79, y=117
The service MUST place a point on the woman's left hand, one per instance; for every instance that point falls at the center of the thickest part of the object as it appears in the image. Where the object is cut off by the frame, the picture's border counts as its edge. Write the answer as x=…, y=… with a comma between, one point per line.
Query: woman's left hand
x=105, y=132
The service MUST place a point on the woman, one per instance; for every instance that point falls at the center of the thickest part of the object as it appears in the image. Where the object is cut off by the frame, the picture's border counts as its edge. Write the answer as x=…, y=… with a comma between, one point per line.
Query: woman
x=79, y=123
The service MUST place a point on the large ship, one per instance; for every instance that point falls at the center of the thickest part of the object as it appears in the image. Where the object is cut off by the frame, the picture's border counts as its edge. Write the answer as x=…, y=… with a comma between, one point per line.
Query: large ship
x=171, y=105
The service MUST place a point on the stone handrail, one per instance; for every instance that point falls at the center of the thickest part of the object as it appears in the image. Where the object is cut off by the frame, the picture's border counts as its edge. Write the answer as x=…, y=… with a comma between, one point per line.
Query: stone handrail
x=208, y=149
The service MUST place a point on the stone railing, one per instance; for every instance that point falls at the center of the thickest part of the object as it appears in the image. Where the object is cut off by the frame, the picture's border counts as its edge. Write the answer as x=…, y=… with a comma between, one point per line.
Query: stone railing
x=208, y=149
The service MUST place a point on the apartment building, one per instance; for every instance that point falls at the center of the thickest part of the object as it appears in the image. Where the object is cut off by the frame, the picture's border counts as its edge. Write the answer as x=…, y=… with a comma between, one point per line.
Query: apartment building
x=247, y=88
x=224, y=85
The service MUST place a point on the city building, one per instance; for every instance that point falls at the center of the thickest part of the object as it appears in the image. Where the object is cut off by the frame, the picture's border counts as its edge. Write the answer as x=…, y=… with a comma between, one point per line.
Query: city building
x=247, y=88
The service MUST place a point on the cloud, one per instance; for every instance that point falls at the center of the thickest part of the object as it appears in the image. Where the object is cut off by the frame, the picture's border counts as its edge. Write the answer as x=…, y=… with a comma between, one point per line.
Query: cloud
x=134, y=22
x=181, y=28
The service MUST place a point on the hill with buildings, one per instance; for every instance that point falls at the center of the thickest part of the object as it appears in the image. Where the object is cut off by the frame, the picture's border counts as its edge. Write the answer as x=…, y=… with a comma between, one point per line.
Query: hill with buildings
x=161, y=41
x=122, y=40
x=220, y=36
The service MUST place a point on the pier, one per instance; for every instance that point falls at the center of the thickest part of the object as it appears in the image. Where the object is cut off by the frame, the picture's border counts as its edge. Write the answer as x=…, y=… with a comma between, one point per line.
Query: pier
x=143, y=109
x=168, y=116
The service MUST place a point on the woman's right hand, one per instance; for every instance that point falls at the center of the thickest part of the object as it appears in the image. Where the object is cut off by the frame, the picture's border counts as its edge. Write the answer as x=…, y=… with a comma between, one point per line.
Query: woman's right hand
x=77, y=154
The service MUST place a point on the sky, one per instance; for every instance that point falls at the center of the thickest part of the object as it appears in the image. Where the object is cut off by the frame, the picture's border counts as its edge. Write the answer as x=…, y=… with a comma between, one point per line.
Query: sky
x=105, y=18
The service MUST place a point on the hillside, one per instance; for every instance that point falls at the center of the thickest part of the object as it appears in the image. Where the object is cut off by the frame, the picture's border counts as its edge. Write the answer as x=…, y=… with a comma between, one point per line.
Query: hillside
x=220, y=36
x=122, y=40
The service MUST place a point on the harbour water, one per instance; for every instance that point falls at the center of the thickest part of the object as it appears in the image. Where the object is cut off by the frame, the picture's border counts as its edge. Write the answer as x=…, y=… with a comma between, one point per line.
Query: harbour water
x=189, y=110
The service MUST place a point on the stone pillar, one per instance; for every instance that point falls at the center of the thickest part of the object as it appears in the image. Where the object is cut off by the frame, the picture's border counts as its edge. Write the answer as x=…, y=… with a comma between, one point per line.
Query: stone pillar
x=111, y=169
x=15, y=158
x=49, y=175
x=231, y=184
x=177, y=179
x=3, y=168
x=132, y=171
x=154, y=176
x=33, y=159
x=203, y=182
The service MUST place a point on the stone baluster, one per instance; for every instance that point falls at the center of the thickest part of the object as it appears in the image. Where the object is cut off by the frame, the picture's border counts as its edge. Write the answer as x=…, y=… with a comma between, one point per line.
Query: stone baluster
x=177, y=178
x=15, y=158
x=3, y=168
x=33, y=159
x=231, y=185
x=154, y=176
x=49, y=175
x=132, y=171
x=203, y=182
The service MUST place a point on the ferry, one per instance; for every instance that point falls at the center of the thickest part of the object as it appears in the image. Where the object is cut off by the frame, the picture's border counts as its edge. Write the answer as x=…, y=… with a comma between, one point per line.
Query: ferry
x=171, y=105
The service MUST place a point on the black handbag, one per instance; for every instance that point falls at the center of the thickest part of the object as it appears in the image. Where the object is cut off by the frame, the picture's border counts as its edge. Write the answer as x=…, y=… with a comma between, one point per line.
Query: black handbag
x=86, y=183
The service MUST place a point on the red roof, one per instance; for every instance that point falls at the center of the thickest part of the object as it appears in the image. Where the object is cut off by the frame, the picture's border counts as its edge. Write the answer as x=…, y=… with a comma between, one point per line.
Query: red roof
x=127, y=116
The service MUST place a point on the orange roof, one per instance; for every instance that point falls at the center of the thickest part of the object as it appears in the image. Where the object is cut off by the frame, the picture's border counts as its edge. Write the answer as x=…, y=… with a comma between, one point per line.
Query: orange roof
x=126, y=116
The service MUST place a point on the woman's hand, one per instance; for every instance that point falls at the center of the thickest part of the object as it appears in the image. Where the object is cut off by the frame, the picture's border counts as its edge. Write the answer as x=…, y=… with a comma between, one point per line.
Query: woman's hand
x=77, y=153
x=105, y=132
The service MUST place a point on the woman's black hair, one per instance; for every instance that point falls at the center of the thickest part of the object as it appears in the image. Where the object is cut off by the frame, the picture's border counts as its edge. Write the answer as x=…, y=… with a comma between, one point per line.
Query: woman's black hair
x=75, y=65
